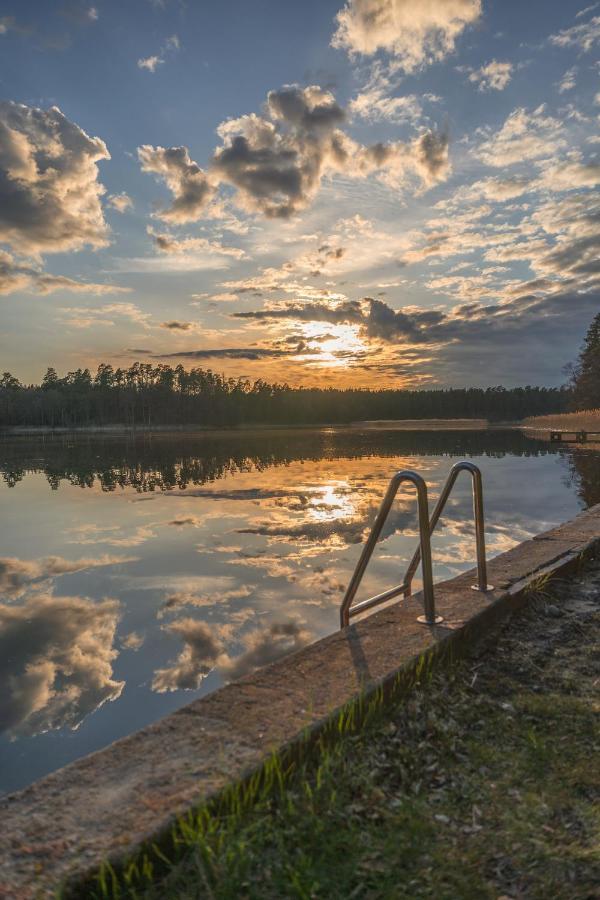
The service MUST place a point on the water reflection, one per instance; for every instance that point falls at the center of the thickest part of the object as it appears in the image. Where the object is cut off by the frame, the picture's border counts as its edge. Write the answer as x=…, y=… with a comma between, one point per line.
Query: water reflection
x=56, y=662
x=163, y=462
x=19, y=575
x=238, y=554
x=584, y=471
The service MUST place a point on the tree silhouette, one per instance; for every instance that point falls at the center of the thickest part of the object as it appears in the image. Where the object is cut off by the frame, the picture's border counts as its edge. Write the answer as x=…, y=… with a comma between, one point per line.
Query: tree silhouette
x=145, y=396
x=586, y=372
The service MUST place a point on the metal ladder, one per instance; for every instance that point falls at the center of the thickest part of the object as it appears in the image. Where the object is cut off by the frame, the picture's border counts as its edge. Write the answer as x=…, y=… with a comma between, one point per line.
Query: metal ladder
x=423, y=552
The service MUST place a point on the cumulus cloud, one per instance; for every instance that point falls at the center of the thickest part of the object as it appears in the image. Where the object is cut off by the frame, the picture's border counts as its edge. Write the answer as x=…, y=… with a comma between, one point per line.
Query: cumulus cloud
x=415, y=34
x=276, y=161
x=189, y=184
x=56, y=656
x=19, y=575
x=494, y=76
x=49, y=189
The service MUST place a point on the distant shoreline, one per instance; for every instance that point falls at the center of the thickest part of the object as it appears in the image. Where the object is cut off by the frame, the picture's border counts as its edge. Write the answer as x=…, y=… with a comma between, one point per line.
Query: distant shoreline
x=367, y=425
x=541, y=424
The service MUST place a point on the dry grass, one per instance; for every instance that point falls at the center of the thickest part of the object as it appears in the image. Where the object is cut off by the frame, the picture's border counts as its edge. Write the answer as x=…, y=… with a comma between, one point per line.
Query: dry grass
x=423, y=424
x=587, y=420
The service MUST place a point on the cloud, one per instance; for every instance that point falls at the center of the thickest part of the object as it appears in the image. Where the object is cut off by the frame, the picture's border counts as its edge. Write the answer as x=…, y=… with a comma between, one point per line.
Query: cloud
x=80, y=13
x=194, y=521
x=56, y=656
x=151, y=63
x=113, y=535
x=202, y=647
x=568, y=81
x=219, y=598
x=374, y=316
x=524, y=136
x=19, y=575
x=252, y=353
x=15, y=276
x=121, y=202
x=264, y=646
x=49, y=192
x=414, y=34
x=177, y=326
x=167, y=243
x=276, y=162
x=465, y=323
x=189, y=184
x=225, y=297
x=498, y=189
x=85, y=317
x=568, y=176
x=494, y=76
x=583, y=37
x=132, y=641
x=6, y=24
x=374, y=105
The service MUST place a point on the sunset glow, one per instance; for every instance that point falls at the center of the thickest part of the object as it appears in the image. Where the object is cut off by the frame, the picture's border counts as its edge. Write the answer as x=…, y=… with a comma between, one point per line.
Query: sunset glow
x=300, y=193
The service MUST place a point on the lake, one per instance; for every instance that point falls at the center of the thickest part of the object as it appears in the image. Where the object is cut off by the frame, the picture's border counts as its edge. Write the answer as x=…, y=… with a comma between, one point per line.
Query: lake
x=139, y=573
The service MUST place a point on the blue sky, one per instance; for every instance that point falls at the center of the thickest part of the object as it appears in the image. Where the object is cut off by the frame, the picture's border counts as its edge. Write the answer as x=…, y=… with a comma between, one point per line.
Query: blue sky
x=382, y=192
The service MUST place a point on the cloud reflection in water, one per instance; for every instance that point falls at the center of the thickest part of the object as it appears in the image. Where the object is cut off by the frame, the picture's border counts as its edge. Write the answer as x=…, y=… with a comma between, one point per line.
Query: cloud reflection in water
x=56, y=656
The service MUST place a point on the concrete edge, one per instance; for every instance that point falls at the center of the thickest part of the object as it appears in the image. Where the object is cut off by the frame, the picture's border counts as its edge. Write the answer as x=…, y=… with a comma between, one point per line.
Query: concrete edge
x=108, y=805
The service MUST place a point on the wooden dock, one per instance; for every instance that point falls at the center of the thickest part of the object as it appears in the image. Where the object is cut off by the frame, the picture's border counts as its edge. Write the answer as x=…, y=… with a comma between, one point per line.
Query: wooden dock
x=573, y=437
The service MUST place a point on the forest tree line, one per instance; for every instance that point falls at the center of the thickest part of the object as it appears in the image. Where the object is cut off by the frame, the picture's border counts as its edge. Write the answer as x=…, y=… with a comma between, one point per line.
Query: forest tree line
x=147, y=395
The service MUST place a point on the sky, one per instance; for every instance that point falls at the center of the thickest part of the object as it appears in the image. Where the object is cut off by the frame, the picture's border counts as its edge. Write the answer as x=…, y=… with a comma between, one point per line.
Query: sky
x=386, y=193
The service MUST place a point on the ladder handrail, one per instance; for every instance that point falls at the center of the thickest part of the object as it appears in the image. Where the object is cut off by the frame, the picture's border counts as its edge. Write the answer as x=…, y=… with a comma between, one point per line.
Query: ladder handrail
x=423, y=551
x=424, y=546
x=478, y=514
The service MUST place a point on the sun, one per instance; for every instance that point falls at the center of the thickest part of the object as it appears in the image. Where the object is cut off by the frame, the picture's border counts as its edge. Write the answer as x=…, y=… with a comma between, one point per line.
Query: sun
x=333, y=346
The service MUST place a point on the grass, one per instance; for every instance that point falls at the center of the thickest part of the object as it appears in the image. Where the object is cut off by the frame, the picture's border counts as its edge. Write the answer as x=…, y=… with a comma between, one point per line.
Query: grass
x=480, y=784
x=424, y=424
x=588, y=420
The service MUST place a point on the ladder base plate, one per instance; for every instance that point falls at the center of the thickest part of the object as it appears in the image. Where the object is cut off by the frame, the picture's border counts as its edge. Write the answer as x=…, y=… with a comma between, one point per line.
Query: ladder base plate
x=423, y=620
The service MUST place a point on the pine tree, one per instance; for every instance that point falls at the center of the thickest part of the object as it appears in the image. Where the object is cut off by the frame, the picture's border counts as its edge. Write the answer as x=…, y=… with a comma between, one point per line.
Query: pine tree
x=586, y=374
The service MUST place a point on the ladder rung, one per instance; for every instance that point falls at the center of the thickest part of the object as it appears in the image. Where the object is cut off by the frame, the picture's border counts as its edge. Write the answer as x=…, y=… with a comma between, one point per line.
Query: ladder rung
x=380, y=598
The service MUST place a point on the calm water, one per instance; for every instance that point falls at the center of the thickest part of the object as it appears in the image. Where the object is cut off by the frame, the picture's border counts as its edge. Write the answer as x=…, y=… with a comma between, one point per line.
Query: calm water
x=138, y=574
